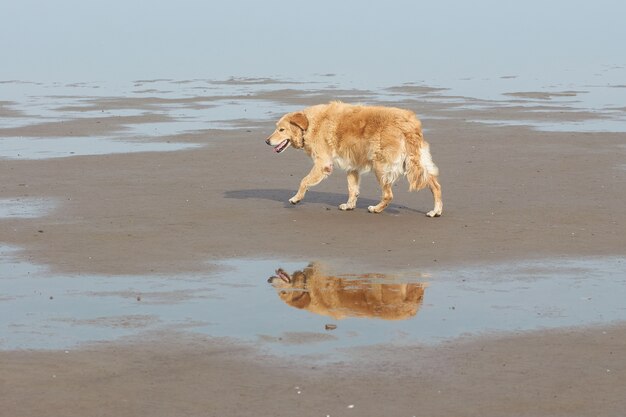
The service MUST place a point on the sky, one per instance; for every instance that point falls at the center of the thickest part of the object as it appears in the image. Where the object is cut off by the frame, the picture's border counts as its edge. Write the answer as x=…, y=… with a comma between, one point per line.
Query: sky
x=394, y=40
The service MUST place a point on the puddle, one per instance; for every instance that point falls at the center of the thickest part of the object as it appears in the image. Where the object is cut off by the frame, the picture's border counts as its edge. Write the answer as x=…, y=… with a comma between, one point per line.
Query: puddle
x=45, y=148
x=47, y=311
x=614, y=124
x=25, y=208
x=49, y=114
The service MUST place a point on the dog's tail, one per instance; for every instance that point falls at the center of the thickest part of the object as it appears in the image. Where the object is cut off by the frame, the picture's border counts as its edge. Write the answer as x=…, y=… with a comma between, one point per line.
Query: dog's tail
x=419, y=164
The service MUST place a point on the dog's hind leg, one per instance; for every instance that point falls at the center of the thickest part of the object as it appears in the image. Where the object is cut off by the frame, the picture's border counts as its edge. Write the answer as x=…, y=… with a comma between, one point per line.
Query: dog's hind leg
x=436, y=190
x=353, y=191
x=385, y=184
x=384, y=202
x=317, y=174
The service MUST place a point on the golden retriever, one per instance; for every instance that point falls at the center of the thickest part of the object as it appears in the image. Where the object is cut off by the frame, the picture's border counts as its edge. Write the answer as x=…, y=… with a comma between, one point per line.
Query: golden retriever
x=312, y=290
x=387, y=140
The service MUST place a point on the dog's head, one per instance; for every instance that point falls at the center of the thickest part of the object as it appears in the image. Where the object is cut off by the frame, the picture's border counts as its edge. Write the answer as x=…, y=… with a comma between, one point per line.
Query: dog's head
x=289, y=131
x=291, y=288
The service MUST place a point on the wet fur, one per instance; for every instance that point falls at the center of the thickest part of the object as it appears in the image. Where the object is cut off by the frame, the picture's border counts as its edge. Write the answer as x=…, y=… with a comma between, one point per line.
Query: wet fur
x=359, y=139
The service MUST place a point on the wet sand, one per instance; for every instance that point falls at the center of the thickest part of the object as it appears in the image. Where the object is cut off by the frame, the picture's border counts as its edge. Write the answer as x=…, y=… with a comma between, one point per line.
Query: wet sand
x=563, y=373
x=510, y=193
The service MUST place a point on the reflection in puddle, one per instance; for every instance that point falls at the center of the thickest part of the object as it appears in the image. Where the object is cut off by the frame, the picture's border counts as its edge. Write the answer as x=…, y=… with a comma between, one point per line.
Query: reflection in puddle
x=310, y=289
x=51, y=311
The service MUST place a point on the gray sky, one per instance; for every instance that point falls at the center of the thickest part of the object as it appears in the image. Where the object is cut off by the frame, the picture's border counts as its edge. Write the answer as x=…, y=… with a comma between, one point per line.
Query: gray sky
x=71, y=40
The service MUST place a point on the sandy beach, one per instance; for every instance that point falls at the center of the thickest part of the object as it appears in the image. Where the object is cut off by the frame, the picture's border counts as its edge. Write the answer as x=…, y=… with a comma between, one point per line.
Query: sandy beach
x=512, y=193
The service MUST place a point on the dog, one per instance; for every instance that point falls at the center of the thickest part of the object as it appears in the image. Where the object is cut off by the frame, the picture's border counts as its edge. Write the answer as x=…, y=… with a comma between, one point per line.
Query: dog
x=339, y=298
x=386, y=140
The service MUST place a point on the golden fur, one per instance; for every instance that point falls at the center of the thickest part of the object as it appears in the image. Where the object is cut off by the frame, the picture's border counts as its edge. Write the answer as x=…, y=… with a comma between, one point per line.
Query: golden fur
x=312, y=290
x=386, y=140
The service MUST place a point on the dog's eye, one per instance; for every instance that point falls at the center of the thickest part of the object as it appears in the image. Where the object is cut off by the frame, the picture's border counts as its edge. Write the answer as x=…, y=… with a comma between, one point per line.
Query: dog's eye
x=282, y=129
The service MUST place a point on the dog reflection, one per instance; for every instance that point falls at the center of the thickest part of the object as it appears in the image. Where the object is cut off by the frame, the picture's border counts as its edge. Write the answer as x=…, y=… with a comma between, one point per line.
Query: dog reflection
x=312, y=290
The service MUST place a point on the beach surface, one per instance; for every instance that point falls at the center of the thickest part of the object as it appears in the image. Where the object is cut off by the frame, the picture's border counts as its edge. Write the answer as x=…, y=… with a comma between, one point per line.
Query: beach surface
x=513, y=193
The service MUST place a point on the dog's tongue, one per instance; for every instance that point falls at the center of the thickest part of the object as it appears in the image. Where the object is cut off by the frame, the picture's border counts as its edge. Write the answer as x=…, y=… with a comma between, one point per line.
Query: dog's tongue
x=281, y=146
x=283, y=276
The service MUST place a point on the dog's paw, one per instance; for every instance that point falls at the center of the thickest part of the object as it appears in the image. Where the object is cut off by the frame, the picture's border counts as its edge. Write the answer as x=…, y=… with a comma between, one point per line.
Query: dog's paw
x=373, y=209
x=294, y=200
x=433, y=213
x=345, y=207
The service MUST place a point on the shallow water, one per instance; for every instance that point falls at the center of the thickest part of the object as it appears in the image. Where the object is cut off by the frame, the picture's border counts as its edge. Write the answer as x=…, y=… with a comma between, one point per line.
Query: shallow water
x=45, y=148
x=242, y=103
x=25, y=208
x=182, y=112
x=43, y=310
x=615, y=124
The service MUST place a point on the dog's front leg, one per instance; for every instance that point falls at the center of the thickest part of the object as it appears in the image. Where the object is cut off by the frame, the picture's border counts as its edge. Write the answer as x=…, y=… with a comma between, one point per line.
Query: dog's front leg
x=317, y=174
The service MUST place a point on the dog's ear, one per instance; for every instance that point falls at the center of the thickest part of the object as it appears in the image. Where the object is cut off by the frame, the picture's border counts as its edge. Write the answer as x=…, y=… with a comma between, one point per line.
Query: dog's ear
x=299, y=299
x=299, y=119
